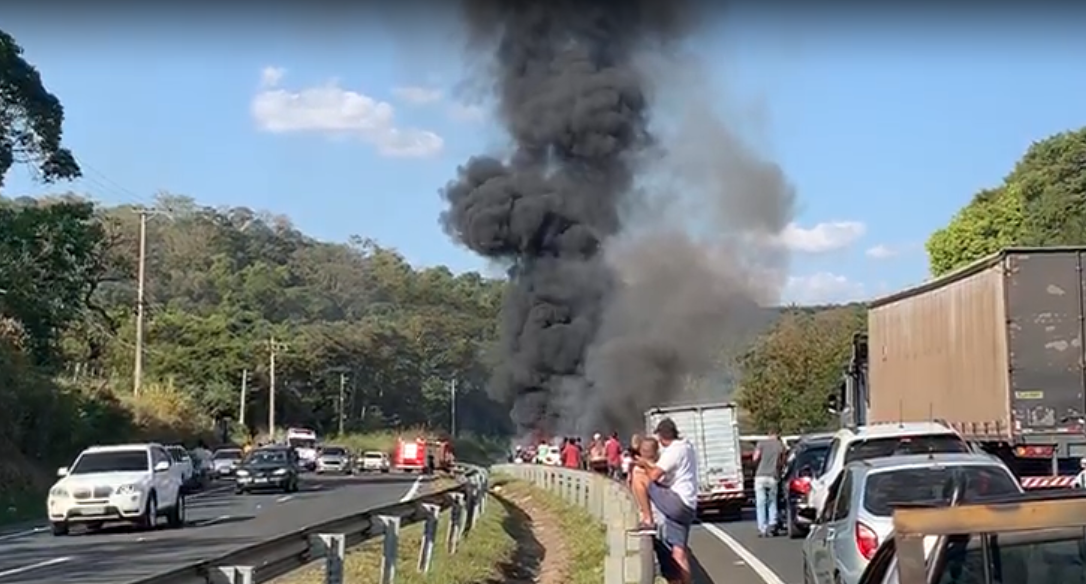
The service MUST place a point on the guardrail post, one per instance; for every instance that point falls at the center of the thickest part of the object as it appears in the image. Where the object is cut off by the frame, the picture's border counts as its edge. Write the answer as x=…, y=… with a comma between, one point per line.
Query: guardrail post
x=390, y=527
x=484, y=492
x=472, y=503
x=333, y=546
x=234, y=575
x=429, y=533
x=456, y=520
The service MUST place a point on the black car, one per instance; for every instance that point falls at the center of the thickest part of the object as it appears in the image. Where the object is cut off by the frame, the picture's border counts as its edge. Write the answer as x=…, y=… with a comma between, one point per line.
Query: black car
x=804, y=463
x=268, y=468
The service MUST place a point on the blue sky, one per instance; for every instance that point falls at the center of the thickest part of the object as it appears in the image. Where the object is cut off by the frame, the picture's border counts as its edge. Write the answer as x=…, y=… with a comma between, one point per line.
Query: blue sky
x=891, y=128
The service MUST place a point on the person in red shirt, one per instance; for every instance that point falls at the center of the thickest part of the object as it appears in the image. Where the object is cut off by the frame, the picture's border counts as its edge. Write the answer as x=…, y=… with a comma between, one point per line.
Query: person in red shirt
x=613, y=449
x=571, y=455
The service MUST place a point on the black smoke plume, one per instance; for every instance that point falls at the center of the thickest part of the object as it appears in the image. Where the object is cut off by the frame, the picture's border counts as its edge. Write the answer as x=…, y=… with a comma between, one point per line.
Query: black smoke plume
x=589, y=339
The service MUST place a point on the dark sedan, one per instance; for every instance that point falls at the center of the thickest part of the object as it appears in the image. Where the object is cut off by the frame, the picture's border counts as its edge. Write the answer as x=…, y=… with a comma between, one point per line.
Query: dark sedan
x=804, y=463
x=268, y=468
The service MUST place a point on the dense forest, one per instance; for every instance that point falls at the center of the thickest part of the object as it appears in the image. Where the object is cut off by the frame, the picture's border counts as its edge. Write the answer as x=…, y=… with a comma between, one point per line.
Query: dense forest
x=349, y=320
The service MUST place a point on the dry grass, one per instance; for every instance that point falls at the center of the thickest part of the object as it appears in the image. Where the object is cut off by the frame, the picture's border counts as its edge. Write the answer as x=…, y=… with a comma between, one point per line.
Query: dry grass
x=483, y=554
x=584, y=563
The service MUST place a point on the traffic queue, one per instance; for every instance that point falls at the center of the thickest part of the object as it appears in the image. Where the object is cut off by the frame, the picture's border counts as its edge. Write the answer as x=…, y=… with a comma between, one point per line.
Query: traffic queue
x=842, y=492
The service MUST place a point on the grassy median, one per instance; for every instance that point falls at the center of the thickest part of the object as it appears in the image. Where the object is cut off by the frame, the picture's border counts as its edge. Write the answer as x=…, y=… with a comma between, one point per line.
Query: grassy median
x=484, y=553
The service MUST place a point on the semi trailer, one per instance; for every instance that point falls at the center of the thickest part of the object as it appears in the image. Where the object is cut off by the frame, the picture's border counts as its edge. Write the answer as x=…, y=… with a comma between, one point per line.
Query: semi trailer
x=993, y=350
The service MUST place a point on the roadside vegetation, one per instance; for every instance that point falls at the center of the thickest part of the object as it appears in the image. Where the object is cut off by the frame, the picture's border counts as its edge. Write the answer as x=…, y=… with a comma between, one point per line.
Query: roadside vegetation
x=221, y=284
x=570, y=545
x=485, y=554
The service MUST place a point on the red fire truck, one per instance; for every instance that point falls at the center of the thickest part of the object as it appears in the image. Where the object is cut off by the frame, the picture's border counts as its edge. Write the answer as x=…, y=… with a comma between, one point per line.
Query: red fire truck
x=421, y=455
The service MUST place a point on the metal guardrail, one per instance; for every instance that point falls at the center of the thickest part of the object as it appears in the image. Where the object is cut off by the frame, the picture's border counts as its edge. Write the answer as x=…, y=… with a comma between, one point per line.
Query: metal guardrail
x=630, y=558
x=329, y=541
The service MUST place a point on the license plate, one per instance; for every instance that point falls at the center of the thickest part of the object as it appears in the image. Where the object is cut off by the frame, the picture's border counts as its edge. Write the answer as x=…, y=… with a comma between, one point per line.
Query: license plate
x=92, y=511
x=262, y=480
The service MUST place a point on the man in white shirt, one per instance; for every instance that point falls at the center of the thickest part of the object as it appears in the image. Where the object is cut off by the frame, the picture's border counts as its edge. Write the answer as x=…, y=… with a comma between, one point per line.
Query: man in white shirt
x=671, y=486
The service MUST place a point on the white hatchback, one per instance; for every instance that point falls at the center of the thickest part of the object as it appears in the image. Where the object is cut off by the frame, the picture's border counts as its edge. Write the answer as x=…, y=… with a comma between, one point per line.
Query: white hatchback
x=132, y=483
x=877, y=441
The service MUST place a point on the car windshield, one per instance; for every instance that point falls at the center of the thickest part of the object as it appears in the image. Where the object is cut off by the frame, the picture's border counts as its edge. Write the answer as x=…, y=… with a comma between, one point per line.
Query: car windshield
x=372, y=455
x=267, y=457
x=883, y=490
x=867, y=449
x=302, y=443
x=111, y=461
x=178, y=454
x=1012, y=558
x=334, y=451
x=227, y=455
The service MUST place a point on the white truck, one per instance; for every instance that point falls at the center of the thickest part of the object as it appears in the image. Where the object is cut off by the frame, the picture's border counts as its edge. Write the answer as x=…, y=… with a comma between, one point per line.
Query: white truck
x=714, y=432
x=304, y=442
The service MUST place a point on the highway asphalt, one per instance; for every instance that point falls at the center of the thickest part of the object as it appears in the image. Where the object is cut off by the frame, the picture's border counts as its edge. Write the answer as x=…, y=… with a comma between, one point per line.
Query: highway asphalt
x=218, y=522
x=732, y=553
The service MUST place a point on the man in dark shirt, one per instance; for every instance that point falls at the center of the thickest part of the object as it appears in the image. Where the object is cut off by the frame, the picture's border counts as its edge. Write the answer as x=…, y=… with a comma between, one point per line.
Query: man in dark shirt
x=768, y=454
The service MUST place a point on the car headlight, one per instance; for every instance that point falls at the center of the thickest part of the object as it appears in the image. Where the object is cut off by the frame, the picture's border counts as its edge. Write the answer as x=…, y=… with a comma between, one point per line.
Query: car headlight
x=281, y=471
x=128, y=489
x=58, y=492
x=242, y=472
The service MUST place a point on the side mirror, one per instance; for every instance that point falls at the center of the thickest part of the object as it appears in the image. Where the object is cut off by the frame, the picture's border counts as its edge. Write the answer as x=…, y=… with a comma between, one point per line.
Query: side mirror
x=62, y=471
x=162, y=466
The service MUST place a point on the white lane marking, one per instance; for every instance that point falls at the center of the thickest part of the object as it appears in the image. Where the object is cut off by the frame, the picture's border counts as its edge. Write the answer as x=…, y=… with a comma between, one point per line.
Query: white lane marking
x=218, y=519
x=34, y=566
x=764, y=572
x=413, y=491
x=24, y=533
x=284, y=498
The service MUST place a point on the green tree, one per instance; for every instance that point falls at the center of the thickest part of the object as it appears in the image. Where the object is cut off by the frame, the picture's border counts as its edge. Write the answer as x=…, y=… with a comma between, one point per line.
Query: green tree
x=991, y=221
x=31, y=119
x=1041, y=203
x=787, y=375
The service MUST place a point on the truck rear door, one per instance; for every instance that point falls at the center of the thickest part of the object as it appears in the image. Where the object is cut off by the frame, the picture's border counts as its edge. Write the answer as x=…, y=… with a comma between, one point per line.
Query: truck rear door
x=1044, y=293
x=714, y=433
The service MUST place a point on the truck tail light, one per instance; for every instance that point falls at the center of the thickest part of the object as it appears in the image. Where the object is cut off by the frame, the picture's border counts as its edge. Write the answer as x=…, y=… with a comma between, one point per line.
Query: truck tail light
x=800, y=485
x=867, y=543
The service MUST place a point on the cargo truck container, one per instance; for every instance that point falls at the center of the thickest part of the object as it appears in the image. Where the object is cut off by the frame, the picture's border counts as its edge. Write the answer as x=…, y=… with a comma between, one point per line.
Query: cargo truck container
x=994, y=350
x=713, y=430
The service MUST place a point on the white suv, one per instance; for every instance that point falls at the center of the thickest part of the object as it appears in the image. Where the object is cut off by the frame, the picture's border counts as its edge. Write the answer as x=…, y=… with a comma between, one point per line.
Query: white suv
x=878, y=441
x=131, y=483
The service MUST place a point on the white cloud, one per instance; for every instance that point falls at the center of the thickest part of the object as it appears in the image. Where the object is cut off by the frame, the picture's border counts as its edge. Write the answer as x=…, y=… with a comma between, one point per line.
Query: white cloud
x=271, y=76
x=333, y=110
x=822, y=288
x=882, y=252
x=466, y=113
x=823, y=237
x=417, y=95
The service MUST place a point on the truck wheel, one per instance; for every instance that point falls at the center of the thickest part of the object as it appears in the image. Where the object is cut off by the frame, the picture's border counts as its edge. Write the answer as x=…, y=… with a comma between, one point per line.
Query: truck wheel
x=60, y=528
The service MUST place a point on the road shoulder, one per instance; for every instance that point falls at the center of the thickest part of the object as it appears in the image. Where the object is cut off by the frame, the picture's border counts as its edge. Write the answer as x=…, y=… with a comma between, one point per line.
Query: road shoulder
x=718, y=563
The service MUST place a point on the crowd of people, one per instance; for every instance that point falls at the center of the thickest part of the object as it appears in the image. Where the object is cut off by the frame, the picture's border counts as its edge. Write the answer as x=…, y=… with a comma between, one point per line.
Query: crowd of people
x=662, y=472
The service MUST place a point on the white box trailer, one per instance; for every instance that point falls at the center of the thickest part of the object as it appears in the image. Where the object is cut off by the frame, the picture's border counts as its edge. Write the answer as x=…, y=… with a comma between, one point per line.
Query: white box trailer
x=713, y=430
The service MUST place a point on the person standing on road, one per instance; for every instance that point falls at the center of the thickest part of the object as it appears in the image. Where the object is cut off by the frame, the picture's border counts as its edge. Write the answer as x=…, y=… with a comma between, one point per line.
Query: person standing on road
x=767, y=455
x=670, y=485
x=571, y=455
x=613, y=450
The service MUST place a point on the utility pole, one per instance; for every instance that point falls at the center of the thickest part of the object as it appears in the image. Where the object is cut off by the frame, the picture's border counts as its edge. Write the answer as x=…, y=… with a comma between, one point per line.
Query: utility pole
x=273, y=349
x=342, y=399
x=244, y=395
x=137, y=373
x=452, y=407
